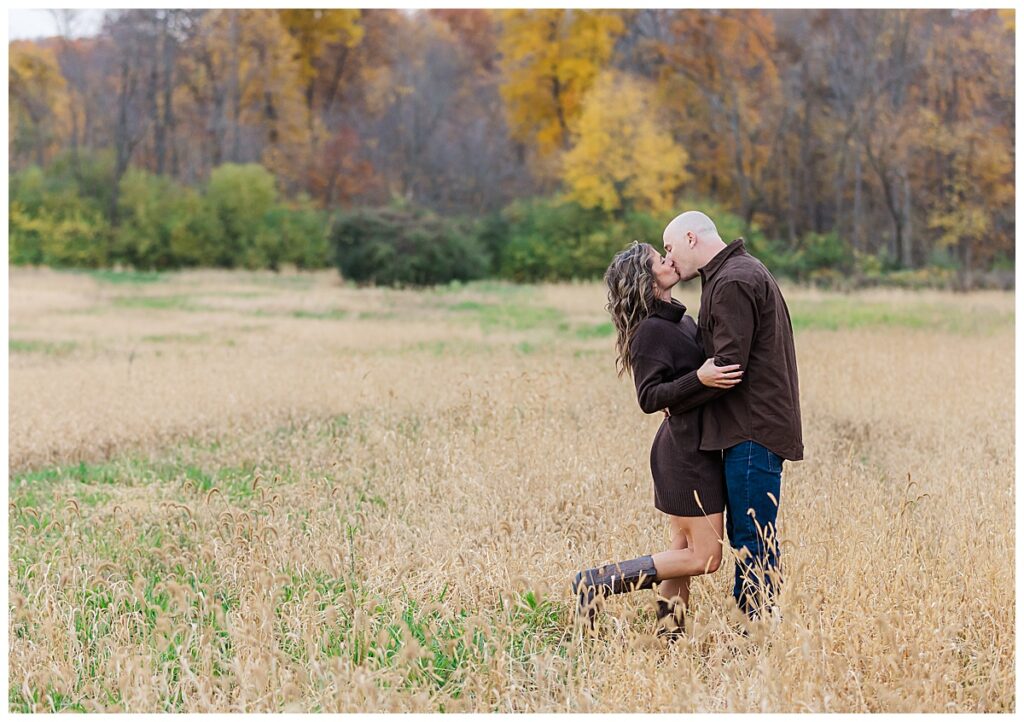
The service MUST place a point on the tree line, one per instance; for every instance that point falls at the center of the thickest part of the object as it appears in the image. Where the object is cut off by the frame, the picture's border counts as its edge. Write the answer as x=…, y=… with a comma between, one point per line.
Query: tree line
x=841, y=142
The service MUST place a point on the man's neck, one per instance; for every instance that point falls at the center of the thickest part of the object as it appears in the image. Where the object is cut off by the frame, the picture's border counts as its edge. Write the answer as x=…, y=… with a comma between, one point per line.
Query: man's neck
x=714, y=248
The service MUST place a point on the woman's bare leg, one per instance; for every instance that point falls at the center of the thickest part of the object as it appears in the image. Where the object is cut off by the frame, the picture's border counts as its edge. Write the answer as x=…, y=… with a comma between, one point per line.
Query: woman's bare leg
x=702, y=553
x=677, y=586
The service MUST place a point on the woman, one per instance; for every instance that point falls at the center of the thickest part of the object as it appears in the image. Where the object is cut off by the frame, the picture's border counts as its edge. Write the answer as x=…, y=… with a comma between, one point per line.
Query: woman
x=659, y=344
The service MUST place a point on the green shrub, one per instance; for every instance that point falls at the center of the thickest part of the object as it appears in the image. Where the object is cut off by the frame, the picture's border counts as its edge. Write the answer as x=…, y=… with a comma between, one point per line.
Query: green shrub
x=405, y=246
x=1003, y=262
x=238, y=197
x=90, y=175
x=79, y=240
x=550, y=240
x=158, y=228
x=493, y=232
x=295, y=234
x=826, y=251
x=51, y=223
x=918, y=278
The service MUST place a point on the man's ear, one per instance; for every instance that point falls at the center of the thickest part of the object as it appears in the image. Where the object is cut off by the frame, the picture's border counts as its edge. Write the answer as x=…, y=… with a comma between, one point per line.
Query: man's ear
x=691, y=238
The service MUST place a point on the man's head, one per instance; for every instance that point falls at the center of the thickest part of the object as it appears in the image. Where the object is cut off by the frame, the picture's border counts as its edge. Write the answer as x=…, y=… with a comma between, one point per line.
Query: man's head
x=691, y=240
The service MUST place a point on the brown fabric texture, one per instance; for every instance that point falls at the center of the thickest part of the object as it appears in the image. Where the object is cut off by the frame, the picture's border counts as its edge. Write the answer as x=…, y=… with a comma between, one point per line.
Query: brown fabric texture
x=744, y=320
x=664, y=349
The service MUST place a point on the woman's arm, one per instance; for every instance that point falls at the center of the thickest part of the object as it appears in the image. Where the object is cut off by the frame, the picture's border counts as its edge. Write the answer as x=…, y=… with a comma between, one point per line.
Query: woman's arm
x=657, y=390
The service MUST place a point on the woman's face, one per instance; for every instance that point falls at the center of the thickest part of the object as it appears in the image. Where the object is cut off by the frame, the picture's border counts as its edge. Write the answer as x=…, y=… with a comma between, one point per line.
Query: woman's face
x=665, y=276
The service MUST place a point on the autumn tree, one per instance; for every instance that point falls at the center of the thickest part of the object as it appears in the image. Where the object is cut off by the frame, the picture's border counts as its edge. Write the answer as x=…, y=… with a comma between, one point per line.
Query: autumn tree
x=550, y=58
x=720, y=78
x=38, y=102
x=130, y=34
x=434, y=126
x=243, y=75
x=967, y=136
x=315, y=31
x=624, y=158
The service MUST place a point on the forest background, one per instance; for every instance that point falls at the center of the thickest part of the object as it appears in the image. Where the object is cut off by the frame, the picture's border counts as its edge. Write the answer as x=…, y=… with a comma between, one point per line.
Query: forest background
x=849, y=147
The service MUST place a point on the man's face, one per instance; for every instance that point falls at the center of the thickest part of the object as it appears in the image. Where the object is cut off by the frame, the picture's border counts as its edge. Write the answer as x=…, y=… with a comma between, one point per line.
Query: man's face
x=679, y=248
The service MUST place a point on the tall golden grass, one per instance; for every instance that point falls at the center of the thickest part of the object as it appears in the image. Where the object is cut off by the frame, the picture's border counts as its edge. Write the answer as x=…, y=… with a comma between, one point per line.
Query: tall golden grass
x=236, y=491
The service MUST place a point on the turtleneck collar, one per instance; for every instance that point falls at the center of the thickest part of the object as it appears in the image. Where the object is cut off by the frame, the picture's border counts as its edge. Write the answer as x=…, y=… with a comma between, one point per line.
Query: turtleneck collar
x=671, y=311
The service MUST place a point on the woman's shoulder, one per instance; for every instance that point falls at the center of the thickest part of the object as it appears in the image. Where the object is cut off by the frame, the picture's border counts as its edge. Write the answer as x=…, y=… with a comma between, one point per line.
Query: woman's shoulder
x=649, y=333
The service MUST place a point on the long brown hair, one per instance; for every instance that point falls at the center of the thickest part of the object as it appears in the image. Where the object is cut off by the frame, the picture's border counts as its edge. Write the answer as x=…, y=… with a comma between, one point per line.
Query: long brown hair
x=630, y=281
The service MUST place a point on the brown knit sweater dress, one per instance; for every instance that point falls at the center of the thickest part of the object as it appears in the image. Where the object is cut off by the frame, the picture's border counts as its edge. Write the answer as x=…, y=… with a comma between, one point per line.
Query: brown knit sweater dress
x=667, y=346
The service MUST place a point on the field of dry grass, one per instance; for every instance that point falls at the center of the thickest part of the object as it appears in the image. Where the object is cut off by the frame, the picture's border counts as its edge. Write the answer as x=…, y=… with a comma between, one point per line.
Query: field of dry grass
x=235, y=491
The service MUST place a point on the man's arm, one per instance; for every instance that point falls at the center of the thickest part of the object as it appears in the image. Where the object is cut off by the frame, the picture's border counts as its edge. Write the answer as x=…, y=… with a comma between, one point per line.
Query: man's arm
x=735, y=321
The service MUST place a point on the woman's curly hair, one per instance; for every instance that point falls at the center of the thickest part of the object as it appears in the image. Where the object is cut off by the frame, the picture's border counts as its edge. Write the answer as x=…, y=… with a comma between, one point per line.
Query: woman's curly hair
x=630, y=281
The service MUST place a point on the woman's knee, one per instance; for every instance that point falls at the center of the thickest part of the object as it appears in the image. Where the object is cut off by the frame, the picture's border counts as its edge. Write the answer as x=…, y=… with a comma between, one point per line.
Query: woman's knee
x=711, y=554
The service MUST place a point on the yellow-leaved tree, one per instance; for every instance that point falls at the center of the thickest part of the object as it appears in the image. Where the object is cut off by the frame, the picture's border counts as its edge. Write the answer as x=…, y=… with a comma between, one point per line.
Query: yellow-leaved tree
x=37, y=113
x=624, y=157
x=315, y=31
x=549, y=61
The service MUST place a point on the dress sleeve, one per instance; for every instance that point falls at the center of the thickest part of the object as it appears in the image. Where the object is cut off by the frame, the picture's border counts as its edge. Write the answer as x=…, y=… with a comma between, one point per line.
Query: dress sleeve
x=657, y=390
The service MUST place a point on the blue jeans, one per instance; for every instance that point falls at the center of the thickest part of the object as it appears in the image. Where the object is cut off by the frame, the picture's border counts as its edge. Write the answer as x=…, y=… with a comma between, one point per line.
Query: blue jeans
x=752, y=472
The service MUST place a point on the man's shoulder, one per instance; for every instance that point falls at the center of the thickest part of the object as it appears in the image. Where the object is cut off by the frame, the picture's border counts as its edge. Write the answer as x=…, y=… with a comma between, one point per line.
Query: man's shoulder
x=743, y=267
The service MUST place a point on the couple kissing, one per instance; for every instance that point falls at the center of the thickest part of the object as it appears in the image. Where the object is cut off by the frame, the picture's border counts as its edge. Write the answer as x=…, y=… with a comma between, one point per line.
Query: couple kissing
x=727, y=386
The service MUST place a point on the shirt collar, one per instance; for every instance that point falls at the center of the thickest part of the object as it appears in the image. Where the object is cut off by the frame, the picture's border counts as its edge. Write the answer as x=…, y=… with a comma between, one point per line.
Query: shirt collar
x=671, y=311
x=710, y=268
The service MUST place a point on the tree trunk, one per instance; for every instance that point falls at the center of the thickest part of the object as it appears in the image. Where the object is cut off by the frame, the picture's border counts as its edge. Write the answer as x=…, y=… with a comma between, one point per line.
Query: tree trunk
x=153, y=104
x=122, y=144
x=235, y=90
x=858, y=182
x=908, y=237
x=839, y=189
x=169, y=120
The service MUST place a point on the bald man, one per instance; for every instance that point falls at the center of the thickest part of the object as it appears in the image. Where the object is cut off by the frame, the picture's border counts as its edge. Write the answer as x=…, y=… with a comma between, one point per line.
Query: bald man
x=744, y=320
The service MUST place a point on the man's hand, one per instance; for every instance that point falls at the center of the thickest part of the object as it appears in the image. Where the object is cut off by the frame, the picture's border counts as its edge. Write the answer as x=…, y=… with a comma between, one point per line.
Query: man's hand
x=719, y=377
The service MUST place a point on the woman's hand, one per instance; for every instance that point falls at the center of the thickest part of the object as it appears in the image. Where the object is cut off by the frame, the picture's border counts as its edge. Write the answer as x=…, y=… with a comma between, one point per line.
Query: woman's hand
x=719, y=377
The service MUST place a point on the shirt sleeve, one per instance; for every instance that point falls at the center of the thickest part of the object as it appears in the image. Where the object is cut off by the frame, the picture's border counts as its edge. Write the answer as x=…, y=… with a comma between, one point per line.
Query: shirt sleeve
x=734, y=323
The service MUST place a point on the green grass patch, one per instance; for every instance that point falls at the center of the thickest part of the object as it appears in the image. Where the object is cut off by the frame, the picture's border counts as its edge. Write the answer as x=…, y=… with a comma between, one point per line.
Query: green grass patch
x=376, y=315
x=237, y=294
x=511, y=316
x=503, y=289
x=164, y=303
x=50, y=348
x=32, y=488
x=538, y=623
x=842, y=314
x=333, y=314
x=82, y=473
x=597, y=330
x=177, y=338
x=469, y=306
x=440, y=348
x=300, y=282
x=48, y=700
x=126, y=277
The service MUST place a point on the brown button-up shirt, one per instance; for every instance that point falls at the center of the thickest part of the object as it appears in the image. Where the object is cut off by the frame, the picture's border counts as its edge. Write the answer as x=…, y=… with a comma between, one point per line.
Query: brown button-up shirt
x=744, y=320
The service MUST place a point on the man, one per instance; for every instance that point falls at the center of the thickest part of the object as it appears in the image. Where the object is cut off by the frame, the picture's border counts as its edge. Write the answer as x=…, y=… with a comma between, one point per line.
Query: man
x=744, y=320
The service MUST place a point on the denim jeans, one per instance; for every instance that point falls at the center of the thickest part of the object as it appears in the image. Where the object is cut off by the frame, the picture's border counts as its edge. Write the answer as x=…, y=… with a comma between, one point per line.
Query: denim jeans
x=752, y=473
